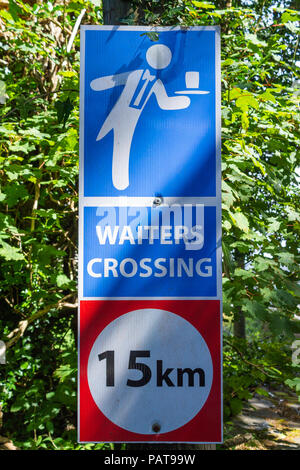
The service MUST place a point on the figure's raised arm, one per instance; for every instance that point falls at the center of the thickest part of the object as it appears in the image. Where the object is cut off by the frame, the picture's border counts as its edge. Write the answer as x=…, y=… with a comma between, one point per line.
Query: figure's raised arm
x=169, y=102
x=104, y=83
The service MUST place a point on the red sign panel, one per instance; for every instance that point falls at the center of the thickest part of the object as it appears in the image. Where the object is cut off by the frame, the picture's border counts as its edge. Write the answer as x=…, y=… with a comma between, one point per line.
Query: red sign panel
x=140, y=376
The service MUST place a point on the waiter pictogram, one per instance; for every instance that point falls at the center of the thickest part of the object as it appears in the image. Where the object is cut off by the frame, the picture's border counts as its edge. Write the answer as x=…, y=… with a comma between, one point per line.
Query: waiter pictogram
x=139, y=85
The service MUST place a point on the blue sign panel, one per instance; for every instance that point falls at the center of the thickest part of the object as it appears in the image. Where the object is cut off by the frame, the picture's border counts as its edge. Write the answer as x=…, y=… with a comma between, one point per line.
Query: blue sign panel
x=149, y=112
x=150, y=200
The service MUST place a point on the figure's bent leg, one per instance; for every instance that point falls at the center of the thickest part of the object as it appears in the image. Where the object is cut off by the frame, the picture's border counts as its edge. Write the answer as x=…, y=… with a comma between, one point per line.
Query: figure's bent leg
x=120, y=162
x=123, y=134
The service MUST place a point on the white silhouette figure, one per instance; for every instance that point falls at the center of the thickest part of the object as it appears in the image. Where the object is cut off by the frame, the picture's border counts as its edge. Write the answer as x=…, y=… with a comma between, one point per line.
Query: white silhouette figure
x=125, y=114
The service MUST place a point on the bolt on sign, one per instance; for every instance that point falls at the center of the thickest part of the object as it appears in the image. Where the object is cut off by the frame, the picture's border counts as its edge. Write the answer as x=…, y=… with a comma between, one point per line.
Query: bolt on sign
x=150, y=235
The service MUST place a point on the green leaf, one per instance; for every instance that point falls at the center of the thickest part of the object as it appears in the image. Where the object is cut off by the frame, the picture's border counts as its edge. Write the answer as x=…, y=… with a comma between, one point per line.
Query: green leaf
x=63, y=109
x=236, y=406
x=235, y=93
x=292, y=27
x=152, y=35
x=267, y=96
x=10, y=253
x=262, y=391
x=244, y=274
x=274, y=225
x=7, y=16
x=16, y=407
x=286, y=258
x=15, y=192
x=21, y=146
x=227, y=225
x=294, y=383
x=293, y=287
x=50, y=395
x=292, y=214
x=289, y=16
x=14, y=10
x=203, y=5
x=64, y=371
x=280, y=324
x=245, y=121
x=245, y=101
x=241, y=221
x=227, y=257
x=49, y=426
x=243, y=247
x=255, y=309
x=35, y=134
x=258, y=164
x=254, y=40
x=263, y=264
x=62, y=280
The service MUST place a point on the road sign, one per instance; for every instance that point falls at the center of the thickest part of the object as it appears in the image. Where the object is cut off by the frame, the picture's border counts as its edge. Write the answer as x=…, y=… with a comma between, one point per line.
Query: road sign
x=150, y=235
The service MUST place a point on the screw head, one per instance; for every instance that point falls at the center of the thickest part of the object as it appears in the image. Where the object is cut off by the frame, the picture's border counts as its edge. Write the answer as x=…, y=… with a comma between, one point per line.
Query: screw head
x=157, y=201
x=156, y=427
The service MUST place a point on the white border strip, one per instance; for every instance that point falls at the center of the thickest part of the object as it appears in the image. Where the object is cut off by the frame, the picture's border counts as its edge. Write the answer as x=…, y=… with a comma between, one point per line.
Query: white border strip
x=80, y=222
x=87, y=299
x=149, y=28
x=124, y=201
x=219, y=204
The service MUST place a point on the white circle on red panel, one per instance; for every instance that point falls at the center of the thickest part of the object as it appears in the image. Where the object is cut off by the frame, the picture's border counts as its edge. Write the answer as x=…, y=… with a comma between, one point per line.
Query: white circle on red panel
x=150, y=371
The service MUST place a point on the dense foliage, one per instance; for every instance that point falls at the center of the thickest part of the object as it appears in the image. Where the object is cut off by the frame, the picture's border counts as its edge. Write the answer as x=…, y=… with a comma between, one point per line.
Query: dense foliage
x=39, y=118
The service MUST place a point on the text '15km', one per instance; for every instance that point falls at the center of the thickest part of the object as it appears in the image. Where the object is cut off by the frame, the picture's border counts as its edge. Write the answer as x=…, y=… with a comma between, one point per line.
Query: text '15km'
x=162, y=376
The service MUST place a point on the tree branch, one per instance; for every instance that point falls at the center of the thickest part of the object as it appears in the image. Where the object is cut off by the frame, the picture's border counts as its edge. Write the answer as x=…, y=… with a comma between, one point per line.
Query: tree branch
x=261, y=369
x=18, y=332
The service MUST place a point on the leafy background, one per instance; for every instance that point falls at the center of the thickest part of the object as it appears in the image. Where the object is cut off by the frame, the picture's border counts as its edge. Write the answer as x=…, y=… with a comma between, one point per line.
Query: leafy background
x=39, y=116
